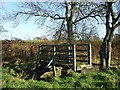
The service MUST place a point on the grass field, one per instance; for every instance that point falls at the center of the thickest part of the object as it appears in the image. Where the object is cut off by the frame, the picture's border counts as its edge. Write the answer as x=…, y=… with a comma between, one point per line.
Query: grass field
x=104, y=79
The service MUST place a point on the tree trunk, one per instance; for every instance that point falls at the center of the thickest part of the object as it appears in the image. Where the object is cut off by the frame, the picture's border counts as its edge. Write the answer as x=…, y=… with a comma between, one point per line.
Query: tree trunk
x=106, y=49
x=70, y=31
x=109, y=50
x=109, y=47
x=69, y=19
x=103, y=55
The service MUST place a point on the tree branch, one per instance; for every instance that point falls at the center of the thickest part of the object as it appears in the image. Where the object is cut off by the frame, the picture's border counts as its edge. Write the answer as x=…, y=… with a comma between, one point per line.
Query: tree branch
x=117, y=25
x=116, y=19
x=66, y=13
x=83, y=17
x=56, y=16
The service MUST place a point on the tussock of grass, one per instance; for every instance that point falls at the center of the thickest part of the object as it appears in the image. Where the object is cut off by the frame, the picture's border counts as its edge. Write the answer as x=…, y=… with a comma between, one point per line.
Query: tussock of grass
x=104, y=79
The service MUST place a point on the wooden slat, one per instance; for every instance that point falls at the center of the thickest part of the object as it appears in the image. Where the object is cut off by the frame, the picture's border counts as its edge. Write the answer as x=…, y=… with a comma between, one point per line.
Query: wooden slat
x=63, y=55
x=90, y=54
x=62, y=58
x=82, y=50
x=82, y=61
x=63, y=45
x=95, y=64
x=63, y=51
x=82, y=44
x=81, y=55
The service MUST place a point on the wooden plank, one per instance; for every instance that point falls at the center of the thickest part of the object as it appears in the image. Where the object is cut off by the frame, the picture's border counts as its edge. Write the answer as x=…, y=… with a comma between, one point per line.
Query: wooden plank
x=95, y=64
x=74, y=57
x=63, y=45
x=90, y=54
x=60, y=54
x=63, y=56
x=63, y=51
x=65, y=60
x=82, y=44
x=81, y=50
x=69, y=55
x=54, y=70
x=81, y=55
x=82, y=60
x=50, y=63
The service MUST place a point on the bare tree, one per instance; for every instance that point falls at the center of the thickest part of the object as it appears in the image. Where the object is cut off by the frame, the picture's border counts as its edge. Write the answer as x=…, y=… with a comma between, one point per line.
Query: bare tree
x=87, y=31
x=66, y=13
x=112, y=22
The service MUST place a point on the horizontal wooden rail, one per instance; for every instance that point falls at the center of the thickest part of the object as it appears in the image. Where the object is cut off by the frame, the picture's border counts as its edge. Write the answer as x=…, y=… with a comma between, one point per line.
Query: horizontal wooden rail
x=82, y=60
x=81, y=55
x=82, y=50
x=63, y=51
x=82, y=44
x=63, y=56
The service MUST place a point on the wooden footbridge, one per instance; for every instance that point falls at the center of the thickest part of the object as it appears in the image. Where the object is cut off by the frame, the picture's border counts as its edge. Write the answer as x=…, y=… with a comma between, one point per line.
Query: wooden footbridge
x=65, y=55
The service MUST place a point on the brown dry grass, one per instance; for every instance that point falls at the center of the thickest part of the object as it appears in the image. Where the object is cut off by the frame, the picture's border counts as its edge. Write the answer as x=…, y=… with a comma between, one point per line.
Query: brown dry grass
x=27, y=51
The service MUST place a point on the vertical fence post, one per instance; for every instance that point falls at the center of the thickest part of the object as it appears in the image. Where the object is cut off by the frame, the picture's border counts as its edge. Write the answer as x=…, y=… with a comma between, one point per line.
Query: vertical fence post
x=74, y=57
x=89, y=54
x=69, y=57
x=54, y=52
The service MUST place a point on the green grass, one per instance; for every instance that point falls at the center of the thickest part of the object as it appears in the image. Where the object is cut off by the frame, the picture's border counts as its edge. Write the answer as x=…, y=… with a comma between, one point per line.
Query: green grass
x=104, y=79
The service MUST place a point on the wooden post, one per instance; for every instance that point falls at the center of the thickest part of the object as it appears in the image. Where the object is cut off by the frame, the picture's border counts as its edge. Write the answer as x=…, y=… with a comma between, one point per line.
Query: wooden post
x=54, y=70
x=89, y=54
x=69, y=54
x=74, y=57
